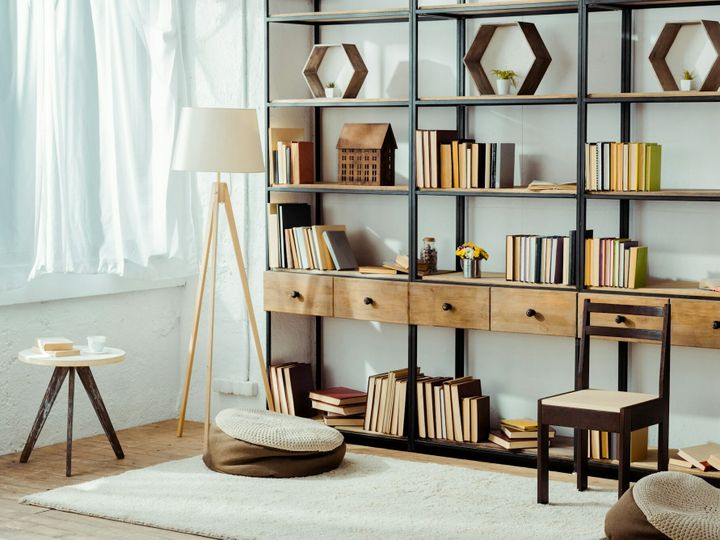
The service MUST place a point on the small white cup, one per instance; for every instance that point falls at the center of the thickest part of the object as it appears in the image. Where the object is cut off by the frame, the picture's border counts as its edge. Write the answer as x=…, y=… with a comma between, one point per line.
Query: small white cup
x=96, y=344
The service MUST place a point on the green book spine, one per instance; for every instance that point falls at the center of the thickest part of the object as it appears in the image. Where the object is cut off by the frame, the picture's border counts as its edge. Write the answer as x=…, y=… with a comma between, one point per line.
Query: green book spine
x=653, y=156
x=640, y=277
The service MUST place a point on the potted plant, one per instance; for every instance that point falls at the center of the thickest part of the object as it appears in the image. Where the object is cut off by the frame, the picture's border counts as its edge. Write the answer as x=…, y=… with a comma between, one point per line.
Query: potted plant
x=687, y=80
x=505, y=78
x=471, y=255
x=330, y=90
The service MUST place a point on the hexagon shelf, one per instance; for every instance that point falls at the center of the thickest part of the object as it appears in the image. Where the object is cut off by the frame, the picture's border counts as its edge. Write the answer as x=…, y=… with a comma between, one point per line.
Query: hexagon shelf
x=665, y=42
x=310, y=71
x=473, y=57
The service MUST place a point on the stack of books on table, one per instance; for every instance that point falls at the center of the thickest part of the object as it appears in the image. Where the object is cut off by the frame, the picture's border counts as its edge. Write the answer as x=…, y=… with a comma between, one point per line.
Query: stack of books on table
x=291, y=384
x=703, y=456
x=603, y=445
x=55, y=346
x=385, y=408
x=617, y=166
x=517, y=434
x=452, y=409
x=340, y=406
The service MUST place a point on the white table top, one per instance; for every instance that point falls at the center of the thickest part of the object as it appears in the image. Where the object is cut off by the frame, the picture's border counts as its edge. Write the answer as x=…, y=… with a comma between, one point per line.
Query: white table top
x=85, y=359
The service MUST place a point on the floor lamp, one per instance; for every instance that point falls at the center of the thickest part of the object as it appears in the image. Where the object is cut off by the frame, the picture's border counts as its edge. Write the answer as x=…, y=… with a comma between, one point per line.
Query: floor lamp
x=218, y=140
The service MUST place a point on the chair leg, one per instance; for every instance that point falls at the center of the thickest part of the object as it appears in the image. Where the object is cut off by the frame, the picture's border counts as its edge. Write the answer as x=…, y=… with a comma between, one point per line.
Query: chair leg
x=543, y=455
x=581, y=458
x=624, y=457
x=663, y=443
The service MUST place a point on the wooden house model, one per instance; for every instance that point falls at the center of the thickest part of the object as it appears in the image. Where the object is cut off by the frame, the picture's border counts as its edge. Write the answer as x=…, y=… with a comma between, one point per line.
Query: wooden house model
x=366, y=155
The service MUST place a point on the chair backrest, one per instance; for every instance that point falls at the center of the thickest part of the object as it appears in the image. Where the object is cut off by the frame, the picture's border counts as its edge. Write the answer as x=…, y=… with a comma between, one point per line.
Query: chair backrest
x=621, y=332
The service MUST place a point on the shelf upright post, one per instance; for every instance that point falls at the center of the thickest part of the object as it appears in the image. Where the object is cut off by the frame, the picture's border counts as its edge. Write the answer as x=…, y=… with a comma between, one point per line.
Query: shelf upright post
x=461, y=200
x=411, y=400
x=625, y=131
x=317, y=132
x=268, y=153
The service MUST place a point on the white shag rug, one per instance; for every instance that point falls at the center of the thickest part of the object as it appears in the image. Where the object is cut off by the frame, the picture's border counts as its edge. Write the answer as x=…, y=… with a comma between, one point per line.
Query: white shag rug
x=367, y=497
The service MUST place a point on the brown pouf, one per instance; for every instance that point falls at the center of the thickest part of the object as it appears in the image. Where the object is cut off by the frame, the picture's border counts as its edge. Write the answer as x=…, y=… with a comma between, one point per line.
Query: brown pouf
x=268, y=444
x=625, y=521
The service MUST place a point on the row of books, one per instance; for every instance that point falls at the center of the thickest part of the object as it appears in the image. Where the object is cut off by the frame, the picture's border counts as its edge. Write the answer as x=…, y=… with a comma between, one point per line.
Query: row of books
x=540, y=259
x=518, y=434
x=291, y=384
x=445, y=161
x=615, y=262
x=293, y=163
x=452, y=409
x=604, y=445
x=294, y=243
x=617, y=166
x=702, y=456
x=385, y=409
x=340, y=406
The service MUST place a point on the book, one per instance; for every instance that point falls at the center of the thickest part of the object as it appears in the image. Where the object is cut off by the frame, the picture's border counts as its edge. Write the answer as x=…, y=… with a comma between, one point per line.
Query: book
x=340, y=250
x=459, y=392
x=298, y=385
x=370, y=401
x=281, y=135
x=291, y=215
x=544, y=185
x=476, y=418
x=377, y=270
x=54, y=344
x=517, y=434
x=437, y=139
x=429, y=395
x=341, y=421
x=302, y=157
x=504, y=166
x=420, y=400
x=679, y=462
x=275, y=384
x=419, y=160
x=446, y=171
x=698, y=455
x=57, y=354
x=339, y=395
x=714, y=461
x=499, y=438
x=519, y=424
x=345, y=410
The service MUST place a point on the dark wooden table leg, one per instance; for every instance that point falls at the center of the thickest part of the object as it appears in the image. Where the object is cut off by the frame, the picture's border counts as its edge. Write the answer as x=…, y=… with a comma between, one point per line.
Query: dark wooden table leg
x=93, y=393
x=71, y=402
x=56, y=382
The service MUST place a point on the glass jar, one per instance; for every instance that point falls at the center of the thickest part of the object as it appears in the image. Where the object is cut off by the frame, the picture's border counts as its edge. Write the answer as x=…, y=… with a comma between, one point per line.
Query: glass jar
x=428, y=254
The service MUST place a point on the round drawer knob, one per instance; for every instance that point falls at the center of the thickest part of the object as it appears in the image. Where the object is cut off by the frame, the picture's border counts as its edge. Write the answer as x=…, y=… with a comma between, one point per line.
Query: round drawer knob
x=367, y=300
x=531, y=312
x=446, y=306
x=620, y=319
x=295, y=294
x=716, y=325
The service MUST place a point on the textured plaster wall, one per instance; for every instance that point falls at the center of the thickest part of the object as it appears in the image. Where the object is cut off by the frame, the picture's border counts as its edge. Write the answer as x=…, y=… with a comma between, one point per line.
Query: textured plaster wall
x=141, y=390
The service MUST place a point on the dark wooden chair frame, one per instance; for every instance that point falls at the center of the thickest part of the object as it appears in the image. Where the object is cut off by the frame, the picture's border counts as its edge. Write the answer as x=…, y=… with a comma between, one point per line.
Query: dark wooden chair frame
x=629, y=419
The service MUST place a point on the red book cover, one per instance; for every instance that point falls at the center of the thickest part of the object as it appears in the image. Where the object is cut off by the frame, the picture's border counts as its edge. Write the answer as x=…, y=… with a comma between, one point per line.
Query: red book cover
x=339, y=395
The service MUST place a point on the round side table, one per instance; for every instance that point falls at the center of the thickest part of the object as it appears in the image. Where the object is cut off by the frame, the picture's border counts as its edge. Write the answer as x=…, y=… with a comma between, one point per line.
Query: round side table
x=67, y=366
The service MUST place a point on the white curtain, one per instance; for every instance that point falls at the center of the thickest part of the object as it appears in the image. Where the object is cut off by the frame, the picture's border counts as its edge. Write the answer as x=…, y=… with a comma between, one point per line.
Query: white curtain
x=89, y=96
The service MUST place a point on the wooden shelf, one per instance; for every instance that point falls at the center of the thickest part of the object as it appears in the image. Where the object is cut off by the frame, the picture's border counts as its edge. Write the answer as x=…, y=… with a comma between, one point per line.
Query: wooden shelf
x=662, y=195
x=654, y=97
x=603, y=5
x=495, y=279
x=345, y=273
x=355, y=16
x=490, y=100
x=498, y=192
x=329, y=187
x=560, y=448
x=338, y=102
x=657, y=287
x=494, y=9
x=361, y=431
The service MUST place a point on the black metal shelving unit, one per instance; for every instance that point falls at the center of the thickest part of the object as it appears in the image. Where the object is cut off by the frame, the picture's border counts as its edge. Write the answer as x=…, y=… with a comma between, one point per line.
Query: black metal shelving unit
x=460, y=13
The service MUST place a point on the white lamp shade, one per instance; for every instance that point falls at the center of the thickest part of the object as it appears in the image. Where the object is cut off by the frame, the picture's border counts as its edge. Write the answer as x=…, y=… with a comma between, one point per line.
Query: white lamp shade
x=218, y=140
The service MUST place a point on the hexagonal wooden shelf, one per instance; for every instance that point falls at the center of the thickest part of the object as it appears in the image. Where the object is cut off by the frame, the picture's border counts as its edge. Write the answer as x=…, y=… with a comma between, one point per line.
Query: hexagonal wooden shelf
x=473, y=57
x=665, y=42
x=310, y=71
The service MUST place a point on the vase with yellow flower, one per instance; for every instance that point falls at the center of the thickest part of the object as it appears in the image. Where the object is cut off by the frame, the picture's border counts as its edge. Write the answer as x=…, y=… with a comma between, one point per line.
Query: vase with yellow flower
x=471, y=256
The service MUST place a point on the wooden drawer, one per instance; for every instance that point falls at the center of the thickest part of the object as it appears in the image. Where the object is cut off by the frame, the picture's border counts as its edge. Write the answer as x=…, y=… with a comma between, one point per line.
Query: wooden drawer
x=371, y=300
x=303, y=294
x=532, y=312
x=453, y=306
x=629, y=321
x=693, y=323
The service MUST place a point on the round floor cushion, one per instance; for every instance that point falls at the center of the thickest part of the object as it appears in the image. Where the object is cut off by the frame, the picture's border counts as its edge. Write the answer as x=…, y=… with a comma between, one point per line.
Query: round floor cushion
x=268, y=444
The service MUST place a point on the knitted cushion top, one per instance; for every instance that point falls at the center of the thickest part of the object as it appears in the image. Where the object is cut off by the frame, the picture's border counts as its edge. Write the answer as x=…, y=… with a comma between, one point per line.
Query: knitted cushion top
x=680, y=505
x=279, y=431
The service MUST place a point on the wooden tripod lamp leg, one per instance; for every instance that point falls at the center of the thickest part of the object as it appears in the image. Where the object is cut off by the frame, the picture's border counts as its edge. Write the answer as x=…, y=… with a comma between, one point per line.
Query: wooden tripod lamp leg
x=211, y=226
x=225, y=198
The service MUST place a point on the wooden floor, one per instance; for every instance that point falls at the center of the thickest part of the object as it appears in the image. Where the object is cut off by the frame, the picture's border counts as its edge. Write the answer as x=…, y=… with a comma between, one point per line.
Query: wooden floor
x=144, y=446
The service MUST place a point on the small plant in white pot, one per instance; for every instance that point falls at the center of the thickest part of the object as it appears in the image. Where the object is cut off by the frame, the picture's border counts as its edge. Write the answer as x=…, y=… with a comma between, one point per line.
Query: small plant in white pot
x=505, y=78
x=687, y=80
x=330, y=90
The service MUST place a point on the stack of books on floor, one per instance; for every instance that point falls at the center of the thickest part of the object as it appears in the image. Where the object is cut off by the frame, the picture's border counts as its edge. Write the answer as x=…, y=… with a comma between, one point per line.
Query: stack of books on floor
x=291, y=384
x=703, y=457
x=55, y=346
x=603, y=445
x=518, y=434
x=386, y=399
x=444, y=161
x=293, y=242
x=540, y=259
x=615, y=262
x=452, y=409
x=616, y=166
x=340, y=406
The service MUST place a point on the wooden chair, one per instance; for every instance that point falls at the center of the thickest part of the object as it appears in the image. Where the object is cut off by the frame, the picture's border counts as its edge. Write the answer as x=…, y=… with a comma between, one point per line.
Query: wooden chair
x=617, y=412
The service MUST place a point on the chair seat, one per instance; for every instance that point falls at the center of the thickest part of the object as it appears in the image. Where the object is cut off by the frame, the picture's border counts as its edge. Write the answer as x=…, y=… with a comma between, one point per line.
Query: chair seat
x=598, y=400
